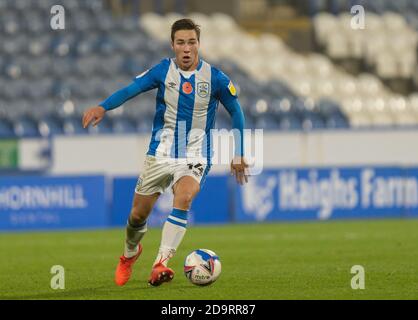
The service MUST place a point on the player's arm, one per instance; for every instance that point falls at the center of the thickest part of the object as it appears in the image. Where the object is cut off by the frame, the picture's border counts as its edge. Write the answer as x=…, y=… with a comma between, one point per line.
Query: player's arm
x=144, y=82
x=229, y=99
x=97, y=113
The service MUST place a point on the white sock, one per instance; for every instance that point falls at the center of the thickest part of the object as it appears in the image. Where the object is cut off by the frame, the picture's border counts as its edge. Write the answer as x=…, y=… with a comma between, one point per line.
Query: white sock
x=174, y=230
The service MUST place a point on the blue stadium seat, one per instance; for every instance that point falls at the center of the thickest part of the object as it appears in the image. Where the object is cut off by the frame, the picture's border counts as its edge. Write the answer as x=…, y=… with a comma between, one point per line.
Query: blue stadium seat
x=86, y=45
x=39, y=67
x=123, y=125
x=39, y=89
x=105, y=126
x=111, y=66
x=223, y=122
x=80, y=21
x=144, y=125
x=50, y=125
x=285, y=106
x=266, y=122
x=94, y=6
x=412, y=18
x=316, y=6
x=104, y=21
x=312, y=121
x=128, y=25
x=337, y=122
x=290, y=122
x=399, y=6
x=35, y=22
x=278, y=89
x=62, y=67
x=38, y=47
x=15, y=44
x=72, y=125
x=10, y=22
x=378, y=6
x=328, y=107
x=45, y=4
x=14, y=89
x=87, y=66
x=25, y=127
x=63, y=45
x=6, y=128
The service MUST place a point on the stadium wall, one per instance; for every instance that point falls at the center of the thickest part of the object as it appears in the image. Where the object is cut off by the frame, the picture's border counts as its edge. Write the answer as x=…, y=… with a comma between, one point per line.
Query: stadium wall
x=287, y=194
x=88, y=181
x=90, y=154
x=86, y=155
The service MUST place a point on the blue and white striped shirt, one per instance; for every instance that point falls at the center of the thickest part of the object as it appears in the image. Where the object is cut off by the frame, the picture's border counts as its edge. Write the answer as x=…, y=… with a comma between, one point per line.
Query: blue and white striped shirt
x=186, y=104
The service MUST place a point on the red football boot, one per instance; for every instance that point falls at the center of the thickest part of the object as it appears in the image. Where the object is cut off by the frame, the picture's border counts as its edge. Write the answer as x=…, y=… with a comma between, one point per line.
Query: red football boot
x=124, y=268
x=160, y=273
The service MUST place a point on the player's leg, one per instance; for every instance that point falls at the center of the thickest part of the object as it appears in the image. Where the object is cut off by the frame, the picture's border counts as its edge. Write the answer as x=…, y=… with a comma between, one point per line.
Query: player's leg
x=175, y=226
x=174, y=229
x=136, y=226
x=154, y=179
x=135, y=230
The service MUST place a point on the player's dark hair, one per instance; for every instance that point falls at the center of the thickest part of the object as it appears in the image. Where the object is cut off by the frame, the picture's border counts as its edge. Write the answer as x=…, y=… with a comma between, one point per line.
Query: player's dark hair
x=185, y=24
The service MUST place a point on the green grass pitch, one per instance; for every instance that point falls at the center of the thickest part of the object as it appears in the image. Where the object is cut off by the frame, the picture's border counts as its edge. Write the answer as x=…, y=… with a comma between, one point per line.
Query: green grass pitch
x=259, y=261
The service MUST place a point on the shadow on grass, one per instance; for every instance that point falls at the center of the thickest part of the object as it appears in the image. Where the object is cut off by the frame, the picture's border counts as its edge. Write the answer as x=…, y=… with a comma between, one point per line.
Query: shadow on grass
x=105, y=292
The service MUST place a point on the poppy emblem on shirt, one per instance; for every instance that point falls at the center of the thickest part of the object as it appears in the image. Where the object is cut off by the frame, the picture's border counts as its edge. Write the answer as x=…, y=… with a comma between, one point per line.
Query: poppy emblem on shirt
x=187, y=88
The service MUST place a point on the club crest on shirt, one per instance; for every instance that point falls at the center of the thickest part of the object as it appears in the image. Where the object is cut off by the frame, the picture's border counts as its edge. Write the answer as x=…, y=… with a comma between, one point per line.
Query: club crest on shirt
x=202, y=89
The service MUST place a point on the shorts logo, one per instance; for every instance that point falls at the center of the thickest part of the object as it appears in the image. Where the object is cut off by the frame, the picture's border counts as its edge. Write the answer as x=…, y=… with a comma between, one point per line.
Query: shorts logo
x=197, y=169
x=138, y=184
x=202, y=89
x=187, y=88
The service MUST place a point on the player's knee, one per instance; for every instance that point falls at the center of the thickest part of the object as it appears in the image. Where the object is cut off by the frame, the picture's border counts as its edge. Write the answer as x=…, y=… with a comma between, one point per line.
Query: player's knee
x=140, y=214
x=184, y=200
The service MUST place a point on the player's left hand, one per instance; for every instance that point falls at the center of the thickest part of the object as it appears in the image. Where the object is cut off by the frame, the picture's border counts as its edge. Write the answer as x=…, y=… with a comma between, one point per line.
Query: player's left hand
x=239, y=168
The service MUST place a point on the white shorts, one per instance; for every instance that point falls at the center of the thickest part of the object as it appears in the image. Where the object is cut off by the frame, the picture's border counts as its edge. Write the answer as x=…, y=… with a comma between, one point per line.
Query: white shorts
x=161, y=173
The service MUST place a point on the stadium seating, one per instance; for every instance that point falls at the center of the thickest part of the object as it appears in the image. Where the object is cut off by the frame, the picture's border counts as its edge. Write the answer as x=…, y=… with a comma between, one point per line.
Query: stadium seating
x=51, y=80
x=387, y=44
x=282, y=73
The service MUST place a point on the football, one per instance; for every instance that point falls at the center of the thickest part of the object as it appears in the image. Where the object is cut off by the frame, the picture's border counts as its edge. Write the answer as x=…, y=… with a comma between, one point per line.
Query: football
x=202, y=267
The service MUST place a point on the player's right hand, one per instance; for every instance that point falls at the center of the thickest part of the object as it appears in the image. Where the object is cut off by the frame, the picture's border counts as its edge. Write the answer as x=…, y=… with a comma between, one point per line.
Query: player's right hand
x=94, y=114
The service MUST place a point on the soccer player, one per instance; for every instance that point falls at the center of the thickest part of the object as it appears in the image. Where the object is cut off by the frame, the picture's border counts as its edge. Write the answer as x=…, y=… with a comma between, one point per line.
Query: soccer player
x=179, y=155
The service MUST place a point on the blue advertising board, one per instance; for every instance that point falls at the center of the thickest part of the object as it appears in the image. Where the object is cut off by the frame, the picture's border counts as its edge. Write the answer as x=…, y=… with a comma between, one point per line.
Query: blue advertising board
x=74, y=202
x=210, y=206
x=328, y=193
x=43, y=202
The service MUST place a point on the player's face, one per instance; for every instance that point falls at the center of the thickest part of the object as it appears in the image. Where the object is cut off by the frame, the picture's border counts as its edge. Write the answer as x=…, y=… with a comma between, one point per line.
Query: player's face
x=186, y=49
